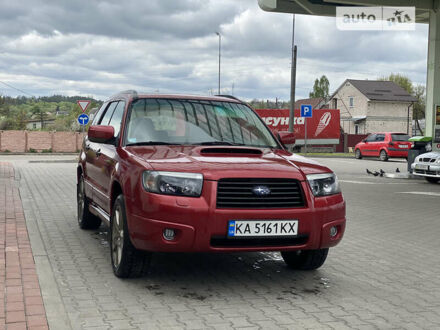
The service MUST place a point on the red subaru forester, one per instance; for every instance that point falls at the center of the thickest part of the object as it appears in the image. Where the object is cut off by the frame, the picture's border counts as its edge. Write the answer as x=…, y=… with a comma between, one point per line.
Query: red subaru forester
x=181, y=173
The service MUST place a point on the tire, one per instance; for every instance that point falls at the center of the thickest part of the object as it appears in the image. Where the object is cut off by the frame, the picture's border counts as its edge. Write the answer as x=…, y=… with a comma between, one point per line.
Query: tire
x=431, y=180
x=127, y=261
x=383, y=156
x=86, y=220
x=305, y=259
x=358, y=154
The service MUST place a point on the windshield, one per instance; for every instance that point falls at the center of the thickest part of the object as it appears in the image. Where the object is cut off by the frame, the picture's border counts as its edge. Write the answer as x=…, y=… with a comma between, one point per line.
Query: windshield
x=399, y=137
x=176, y=121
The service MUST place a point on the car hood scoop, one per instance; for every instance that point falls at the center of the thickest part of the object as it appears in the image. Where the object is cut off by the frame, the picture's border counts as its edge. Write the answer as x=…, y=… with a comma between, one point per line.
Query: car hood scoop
x=230, y=151
x=216, y=162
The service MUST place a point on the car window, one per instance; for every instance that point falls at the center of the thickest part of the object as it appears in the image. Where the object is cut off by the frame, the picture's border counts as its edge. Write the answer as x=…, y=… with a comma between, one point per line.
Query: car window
x=399, y=137
x=116, y=118
x=108, y=114
x=380, y=137
x=371, y=138
x=98, y=115
x=185, y=121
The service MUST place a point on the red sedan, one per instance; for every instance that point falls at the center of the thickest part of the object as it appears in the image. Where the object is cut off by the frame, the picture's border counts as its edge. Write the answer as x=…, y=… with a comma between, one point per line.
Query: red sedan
x=384, y=146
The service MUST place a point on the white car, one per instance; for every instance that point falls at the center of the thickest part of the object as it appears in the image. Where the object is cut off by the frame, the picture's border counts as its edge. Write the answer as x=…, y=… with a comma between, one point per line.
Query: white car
x=428, y=166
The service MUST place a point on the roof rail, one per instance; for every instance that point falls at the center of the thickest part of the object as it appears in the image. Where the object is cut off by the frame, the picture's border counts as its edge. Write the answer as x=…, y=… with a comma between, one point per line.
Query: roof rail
x=127, y=92
x=229, y=97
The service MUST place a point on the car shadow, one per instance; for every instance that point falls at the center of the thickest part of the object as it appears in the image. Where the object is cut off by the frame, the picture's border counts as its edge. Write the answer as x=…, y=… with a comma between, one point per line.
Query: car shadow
x=205, y=276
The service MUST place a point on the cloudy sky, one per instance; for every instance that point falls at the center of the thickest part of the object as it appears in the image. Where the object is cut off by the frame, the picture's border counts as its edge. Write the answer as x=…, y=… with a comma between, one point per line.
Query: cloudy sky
x=97, y=47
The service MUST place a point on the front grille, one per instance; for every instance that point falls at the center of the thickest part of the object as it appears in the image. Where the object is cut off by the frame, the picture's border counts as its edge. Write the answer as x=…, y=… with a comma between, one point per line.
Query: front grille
x=237, y=193
x=427, y=160
x=258, y=242
x=427, y=172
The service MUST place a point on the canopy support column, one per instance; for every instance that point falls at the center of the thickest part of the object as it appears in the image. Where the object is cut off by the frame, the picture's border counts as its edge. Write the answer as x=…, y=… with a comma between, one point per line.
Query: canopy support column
x=433, y=77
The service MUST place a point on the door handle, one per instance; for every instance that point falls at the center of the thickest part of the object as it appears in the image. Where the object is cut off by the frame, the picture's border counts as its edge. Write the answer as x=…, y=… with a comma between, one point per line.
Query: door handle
x=98, y=152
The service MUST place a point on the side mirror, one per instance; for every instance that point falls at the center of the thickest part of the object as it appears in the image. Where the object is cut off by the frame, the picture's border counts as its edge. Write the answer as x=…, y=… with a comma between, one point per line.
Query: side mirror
x=286, y=137
x=364, y=141
x=101, y=133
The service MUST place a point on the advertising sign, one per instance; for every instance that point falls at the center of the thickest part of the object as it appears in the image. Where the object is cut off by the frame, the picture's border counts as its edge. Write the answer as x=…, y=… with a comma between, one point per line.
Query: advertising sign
x=437, y=114
x=323, y=128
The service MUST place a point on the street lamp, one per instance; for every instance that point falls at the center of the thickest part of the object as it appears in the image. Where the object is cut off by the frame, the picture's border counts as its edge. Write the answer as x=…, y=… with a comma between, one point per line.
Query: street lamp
x=219, y=58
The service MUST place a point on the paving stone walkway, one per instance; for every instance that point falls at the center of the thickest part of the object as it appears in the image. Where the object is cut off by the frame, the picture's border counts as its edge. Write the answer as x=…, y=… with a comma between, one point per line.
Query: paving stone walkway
x=21, y=304
x=384, y=275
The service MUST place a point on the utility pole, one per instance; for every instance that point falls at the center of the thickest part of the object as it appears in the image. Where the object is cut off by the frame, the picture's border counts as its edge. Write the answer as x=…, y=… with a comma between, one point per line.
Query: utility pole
x=219, y=58
x=292, y=78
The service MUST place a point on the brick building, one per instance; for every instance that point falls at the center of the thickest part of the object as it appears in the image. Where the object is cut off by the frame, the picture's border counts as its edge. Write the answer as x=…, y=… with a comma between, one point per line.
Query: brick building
x=369, y=106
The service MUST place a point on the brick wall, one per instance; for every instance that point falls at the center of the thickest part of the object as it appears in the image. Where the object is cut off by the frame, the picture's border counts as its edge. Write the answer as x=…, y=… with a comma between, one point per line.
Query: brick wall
x=13, y=141
x=24, y=141
x=39, y=141
x=65, y=142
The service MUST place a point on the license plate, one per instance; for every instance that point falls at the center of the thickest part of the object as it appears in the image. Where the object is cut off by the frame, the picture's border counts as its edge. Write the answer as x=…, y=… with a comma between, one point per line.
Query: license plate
x=403, y=146
x=422, y=167
x=258, y=228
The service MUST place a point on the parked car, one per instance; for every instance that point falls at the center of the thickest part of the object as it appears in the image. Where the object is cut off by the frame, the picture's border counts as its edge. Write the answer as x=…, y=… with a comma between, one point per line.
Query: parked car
x=428, y=166
x=384, y=146
x=177, y=173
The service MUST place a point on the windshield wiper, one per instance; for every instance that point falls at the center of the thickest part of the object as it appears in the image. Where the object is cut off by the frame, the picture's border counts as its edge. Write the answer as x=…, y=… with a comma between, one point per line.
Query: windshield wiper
x=151, y=143
x=218, y=143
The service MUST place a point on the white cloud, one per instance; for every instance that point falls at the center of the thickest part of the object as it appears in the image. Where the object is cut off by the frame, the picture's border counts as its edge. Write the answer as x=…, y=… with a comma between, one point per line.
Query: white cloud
x=101, y=47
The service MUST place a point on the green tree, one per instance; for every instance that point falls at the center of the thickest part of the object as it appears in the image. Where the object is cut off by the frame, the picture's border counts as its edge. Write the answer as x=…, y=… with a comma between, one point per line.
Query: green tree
x=320, y=88
x=417, y=91
x=5, y=109
x=420, y=105
x=20, y=119
x=401, y=80
x=41, y=115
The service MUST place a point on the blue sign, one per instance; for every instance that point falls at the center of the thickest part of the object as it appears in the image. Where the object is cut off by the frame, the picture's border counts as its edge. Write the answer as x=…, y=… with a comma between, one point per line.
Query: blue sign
x=83, y=119
x=306, y=110
x=231, y=228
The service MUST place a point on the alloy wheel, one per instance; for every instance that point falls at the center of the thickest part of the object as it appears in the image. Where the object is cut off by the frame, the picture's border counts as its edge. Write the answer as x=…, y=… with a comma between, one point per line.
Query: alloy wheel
x=117, y=237
x=80, y=200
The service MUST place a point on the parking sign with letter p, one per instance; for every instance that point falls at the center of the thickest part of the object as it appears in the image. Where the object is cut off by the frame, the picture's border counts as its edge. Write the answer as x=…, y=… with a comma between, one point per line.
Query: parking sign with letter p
x=306, y=110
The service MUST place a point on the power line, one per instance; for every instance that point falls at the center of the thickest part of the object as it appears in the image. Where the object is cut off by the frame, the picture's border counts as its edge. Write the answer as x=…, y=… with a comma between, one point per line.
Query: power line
x=18, y=89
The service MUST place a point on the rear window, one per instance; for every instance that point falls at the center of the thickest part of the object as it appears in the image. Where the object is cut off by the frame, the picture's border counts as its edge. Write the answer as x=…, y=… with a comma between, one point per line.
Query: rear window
x=399, y=137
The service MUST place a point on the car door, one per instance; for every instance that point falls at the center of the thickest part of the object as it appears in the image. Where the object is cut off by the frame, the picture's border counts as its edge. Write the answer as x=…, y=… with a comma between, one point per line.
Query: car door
x=378, y=144
x=366, y=147
x=89, y=151
x=107, y=158
x=93, y=153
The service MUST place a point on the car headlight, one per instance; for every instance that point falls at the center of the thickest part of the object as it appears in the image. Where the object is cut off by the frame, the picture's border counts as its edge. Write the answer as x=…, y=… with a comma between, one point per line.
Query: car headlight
x=324, y=184
x=173, y=183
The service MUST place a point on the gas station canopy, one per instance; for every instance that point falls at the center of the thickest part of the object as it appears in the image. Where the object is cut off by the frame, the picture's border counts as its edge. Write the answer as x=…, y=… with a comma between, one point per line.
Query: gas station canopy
x=328, y=7
x=427, y=11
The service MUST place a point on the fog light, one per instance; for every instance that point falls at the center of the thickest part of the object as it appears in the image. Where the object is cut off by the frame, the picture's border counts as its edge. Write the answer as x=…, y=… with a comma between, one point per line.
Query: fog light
x=169, y=234
x=333, y=231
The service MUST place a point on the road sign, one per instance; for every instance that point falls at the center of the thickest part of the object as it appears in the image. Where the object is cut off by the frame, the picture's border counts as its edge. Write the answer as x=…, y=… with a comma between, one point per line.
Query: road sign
x=83, y=104
x=83, y=119
x=306, y=110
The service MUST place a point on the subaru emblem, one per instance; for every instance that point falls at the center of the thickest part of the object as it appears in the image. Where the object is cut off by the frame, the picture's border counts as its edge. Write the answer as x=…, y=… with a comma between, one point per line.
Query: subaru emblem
x=261, y=191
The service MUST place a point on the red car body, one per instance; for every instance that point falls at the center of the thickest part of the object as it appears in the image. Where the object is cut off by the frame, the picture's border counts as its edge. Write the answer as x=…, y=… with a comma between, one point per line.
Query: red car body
x=198, y=222
x=384, y=145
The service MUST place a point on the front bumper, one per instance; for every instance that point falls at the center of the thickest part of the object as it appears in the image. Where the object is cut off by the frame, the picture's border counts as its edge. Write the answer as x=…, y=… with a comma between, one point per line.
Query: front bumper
x=426, y=169
x=201, y=227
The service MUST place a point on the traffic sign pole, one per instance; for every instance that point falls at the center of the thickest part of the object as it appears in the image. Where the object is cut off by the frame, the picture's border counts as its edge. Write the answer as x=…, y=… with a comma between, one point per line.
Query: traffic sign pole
x=305, y=136
x=306, y=112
